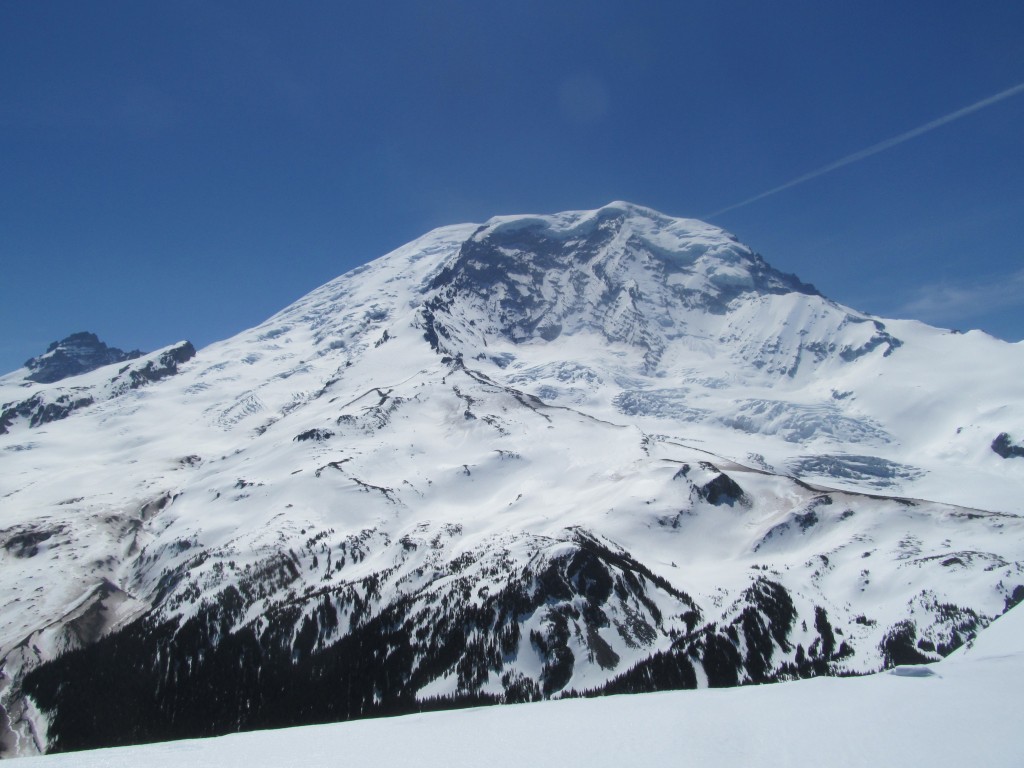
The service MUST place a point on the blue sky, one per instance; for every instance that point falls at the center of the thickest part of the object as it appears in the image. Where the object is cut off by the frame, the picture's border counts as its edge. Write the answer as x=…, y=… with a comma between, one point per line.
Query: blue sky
x=185, y=169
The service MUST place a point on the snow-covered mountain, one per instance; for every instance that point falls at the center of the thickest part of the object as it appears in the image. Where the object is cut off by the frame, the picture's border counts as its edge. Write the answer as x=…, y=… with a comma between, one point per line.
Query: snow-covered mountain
x=596, y=451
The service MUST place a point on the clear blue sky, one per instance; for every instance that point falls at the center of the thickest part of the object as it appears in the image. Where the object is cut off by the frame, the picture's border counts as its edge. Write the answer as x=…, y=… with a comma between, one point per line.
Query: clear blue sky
x=185, y=169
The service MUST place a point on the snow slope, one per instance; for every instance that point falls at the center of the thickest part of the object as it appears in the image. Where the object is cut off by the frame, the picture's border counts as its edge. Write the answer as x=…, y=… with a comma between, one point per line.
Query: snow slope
x=596, y=451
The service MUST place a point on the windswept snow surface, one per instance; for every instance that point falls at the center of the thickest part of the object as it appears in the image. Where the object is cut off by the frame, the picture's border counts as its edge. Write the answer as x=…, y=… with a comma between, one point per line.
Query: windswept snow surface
x=964, y=710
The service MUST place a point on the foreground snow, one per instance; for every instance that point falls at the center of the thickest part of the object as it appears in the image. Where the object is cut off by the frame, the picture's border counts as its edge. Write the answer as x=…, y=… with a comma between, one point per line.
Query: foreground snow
x=961, y=711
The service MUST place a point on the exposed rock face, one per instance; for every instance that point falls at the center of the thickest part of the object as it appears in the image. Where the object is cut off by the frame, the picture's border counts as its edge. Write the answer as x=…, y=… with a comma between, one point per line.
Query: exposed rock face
x=165, y=365
x=78, y=353
x=40, y=410
x=1005, y=447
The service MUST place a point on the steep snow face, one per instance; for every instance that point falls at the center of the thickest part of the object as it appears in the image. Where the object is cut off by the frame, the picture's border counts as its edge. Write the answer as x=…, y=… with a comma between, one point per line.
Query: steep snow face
x=603, y=450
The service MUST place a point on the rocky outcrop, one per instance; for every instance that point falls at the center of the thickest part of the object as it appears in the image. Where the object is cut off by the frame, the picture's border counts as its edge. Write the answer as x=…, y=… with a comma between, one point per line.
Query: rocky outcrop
x=154, y=370
x=38, y=409
x=76, y=354
x=1005, y=447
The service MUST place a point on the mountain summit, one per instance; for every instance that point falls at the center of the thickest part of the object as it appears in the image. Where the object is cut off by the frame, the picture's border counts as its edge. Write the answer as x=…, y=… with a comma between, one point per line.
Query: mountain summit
x=628, y=273
x=598, y=451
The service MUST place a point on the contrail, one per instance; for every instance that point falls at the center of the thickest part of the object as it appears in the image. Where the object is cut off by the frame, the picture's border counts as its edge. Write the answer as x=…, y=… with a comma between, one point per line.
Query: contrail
x=876, y=148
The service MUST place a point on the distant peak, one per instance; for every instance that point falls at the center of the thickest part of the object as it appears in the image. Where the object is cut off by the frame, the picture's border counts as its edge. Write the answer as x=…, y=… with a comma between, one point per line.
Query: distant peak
x=80, y=338
x=73, y=355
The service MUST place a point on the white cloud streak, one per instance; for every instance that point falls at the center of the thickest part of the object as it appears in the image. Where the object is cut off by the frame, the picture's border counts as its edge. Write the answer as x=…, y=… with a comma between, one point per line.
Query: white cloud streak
x=876, y=148
x=944, y=302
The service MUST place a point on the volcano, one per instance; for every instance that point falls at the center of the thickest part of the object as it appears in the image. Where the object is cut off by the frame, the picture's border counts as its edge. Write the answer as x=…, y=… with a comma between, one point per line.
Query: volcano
x=591, y=452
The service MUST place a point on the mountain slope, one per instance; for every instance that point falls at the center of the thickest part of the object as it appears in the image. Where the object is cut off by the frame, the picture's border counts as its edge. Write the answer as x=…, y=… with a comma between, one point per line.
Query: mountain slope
x=959, y=711
x=605, y=450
